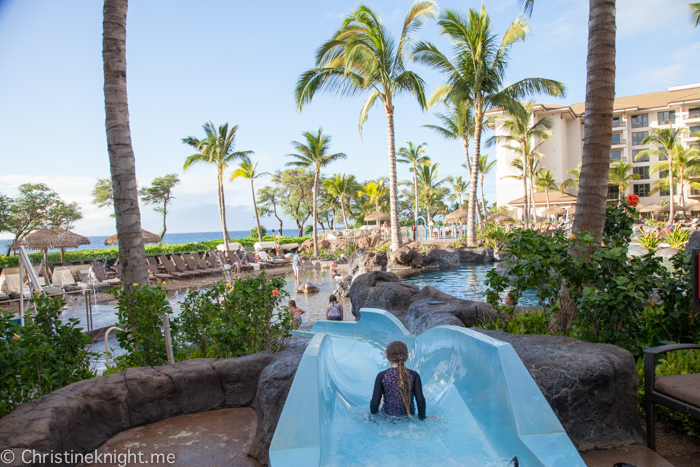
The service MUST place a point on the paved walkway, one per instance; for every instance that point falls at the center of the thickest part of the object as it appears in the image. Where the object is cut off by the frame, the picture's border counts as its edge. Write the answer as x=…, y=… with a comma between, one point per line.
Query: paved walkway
x=217, y=438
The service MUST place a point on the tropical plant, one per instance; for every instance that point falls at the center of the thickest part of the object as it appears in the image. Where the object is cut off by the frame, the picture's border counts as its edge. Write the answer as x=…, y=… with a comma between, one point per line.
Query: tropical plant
x=571, y=183
x=246, y=169
x=485, y=167
x=459, y=188
x=363, y=56
x=314, y=155
x=669, y=145
x=457, y=123
x=160, y=193
x=428, y=183
x=414, y=155
x=341, y=186
x=217, y=149
x=695, y=13
x=102, y=195
x=545, y=181
x=677, y=238
x=375, y=191
x=686, y=169
x=296, y=189
x=648, y=239
x=269, y=198
x=121, y=154
x=620, y=175
x=477, y=75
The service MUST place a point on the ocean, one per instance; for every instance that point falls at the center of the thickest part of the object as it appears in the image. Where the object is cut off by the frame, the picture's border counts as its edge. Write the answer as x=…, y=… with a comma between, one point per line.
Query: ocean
x=170, y=238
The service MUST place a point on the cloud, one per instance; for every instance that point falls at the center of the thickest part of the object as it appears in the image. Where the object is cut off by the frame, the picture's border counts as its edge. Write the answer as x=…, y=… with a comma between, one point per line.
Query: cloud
x=650, y=17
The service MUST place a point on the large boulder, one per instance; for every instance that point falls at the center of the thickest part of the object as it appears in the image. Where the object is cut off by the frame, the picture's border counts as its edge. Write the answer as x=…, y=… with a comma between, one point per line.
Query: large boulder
x=635, y=250
x=693, y=242
x=436, y=258
x=342, y=288
x=383, y=290
x=273, y=387
x=666, y=253
x=362, y=261
x=476, y=254
x=592, y=388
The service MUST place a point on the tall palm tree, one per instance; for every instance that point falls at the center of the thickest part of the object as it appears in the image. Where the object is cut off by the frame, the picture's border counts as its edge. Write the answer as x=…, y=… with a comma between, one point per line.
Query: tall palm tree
x=518, y=165
x=524, y=138
x=132, y=255
x=669, y=145
x=571, y=182
x=363, y=56
x=597, y=129
x=545, y=181
x=315, y=155
x=375, y=191
x=695, y=13
x=340, y=186
x=620, y=175
x=459, y=188
x=457, y=123
x=428, y=183
x=217, y=149
x=686, y=166
x=414, y=155
x=477, y=75
x=484, y=167
x=246, y=169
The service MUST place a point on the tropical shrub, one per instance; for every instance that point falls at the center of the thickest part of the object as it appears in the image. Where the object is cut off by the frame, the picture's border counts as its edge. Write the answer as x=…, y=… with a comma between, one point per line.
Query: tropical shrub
x=534, y=321
x=44, y=355
x=677, y=238
x=254, y=232
x=649, y=240
x=493, y=231
x=233, y=319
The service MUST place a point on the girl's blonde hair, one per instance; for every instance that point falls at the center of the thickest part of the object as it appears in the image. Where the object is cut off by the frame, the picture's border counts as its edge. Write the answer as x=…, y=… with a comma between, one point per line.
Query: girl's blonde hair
x=397, y=352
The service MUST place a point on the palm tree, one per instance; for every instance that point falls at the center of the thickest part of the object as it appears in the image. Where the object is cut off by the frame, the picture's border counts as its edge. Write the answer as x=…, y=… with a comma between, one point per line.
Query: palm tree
x=571, y=182
x=314, y=154
x=363, y=56
x=669, y=142
x=428, y=183
x=686, y=165
x=528, y=191
x=484, y=167
x=620, y=175
x=525, y=138
x=132, y=255
x=246, y=169
x=458, y=123
x=695, y=13
x=459, y=189
x=375, y=191
x=597, y=130
x=477, y=74
x=340, y=186
x=216, y=149
x=545, y=181
x=414, y=155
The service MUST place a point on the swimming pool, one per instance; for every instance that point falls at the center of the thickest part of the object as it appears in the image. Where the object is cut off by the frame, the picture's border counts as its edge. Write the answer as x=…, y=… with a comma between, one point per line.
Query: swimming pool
x=468, y=283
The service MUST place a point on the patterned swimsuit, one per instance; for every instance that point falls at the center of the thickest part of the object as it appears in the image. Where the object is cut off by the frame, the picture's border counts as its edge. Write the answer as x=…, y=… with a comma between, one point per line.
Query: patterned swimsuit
x=386, y=386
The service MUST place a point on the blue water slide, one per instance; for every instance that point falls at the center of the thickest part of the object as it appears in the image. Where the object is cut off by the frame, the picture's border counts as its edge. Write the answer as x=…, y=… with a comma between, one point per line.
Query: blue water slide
x=484, y=408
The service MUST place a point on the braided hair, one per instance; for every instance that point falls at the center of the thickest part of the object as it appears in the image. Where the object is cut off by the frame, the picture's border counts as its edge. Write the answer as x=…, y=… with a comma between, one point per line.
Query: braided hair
x=397, y=352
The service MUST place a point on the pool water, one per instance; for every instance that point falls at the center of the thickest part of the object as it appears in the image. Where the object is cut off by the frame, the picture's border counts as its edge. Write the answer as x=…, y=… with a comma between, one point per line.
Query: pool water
x=468, y=283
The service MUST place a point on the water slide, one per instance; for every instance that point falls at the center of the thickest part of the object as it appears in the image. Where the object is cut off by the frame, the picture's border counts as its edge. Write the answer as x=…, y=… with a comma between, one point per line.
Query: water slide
x=484, y=408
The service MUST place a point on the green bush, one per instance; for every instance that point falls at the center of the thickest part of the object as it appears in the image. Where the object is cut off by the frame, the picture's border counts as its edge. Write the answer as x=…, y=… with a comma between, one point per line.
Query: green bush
x=254, y=232
x=648, y=240
x=678, y=237
x=43, y=356
x=231, y=320
x=534, y=321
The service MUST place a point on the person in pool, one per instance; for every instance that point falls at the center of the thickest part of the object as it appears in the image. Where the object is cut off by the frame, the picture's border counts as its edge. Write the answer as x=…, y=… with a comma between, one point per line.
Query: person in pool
x=398, y=386
x=334, y=311
x=296, y=313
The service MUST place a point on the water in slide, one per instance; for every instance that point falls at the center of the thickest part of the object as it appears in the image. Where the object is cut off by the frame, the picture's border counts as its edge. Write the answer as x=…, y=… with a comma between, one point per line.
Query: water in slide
x=486, y=407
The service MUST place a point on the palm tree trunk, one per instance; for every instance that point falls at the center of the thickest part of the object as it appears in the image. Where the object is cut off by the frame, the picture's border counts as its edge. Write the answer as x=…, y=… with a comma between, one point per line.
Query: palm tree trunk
x=132, y=256
x=533, y=205
x=597, y=130
x=393, y=188
x=415, y=191
x=546, y=195
x=427, y=206
x=342, y=207
x=670, y=189
x=465, y=143
x=315, y=214
x=483, y=199
x=526, y=199
x=255, y=208
x=222, y=211
x=474, y=177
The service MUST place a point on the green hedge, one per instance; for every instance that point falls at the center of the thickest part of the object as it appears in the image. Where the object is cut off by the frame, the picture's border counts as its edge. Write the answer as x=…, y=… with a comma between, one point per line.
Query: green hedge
x=83, y=256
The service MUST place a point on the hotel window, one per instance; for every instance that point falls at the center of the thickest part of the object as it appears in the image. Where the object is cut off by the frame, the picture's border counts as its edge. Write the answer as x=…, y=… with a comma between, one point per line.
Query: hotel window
x=616, y=138
x=692, y=129
x=663, y=174
x=616, y=155
x=640, y=121
x=613, y=192
x=616, y=122
x=694, y=192
x=694, y=113
x=663, y=192
x=638, y=137
x=667, y=117
x=642, y=190
x=663, y=157
x=643, y=172
x=644, y=158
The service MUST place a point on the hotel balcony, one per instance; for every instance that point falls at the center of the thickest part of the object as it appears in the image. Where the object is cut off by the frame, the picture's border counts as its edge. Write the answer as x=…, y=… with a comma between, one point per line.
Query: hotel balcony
x=619, y=143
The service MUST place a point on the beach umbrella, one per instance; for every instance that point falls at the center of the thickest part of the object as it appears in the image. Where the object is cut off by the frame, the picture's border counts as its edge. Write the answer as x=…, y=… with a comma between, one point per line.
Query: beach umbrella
x=571, y=210
x=650, y=208
x=667, y=208
x=457, y=217
x=499, y=218
x=43, y=239
x=68, y=239
x=148, y=237
x=554, y=211
x=377, y=216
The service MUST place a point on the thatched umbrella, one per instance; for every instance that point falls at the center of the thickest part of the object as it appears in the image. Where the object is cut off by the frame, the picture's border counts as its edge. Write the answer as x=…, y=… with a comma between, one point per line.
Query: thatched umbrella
x=694, y=206
x=43, y=239
x=457, y=217
x=554, y=211
x=571, y=210
x=499, y=218
x=148, y=237
x=68, y=239
x=377, y=216
x=667, y=208
x=650, y=208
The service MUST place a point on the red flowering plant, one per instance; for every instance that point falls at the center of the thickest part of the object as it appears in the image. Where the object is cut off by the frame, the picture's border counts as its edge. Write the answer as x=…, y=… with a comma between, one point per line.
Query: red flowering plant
x=632, y=200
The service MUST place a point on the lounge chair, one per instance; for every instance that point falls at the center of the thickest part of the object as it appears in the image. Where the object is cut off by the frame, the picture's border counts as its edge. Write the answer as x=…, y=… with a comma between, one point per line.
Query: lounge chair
x=205, y=266
x=233, y=259
x=192, y=264
x=182, y=267
x=49, y=290
x=12, y=282
x=63, y=278
x=277, y=262
x=171, y=269
x=154, y=273
x=213, y=265
x=253, y=261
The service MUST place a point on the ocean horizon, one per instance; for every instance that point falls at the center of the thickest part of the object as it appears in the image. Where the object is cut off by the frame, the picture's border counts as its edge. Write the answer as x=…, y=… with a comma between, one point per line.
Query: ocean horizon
x=98, y=241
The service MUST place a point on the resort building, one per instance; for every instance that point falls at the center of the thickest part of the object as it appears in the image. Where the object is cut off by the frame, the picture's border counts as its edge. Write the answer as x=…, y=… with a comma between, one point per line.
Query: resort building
x=633, y=118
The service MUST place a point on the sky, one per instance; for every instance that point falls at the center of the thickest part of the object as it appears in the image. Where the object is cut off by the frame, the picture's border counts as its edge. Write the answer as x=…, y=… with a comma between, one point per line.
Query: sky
x=238, y=62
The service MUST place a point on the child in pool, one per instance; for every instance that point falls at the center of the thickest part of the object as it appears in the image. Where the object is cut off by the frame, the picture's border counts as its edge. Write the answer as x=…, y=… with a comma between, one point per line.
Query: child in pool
x=296, y=313
x=398, y=386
